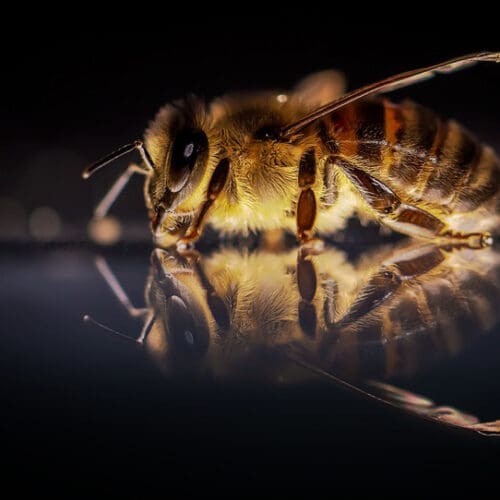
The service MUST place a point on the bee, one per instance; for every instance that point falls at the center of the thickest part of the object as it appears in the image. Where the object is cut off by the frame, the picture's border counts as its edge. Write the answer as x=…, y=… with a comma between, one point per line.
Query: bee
x=393, y=312
x=308, y=160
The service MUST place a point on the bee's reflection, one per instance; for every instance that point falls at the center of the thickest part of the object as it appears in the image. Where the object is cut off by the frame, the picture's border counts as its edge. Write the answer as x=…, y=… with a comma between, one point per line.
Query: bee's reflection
x=388, y=312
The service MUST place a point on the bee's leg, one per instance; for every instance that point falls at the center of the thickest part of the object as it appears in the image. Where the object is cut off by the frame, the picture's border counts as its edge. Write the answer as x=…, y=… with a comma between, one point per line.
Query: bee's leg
x=120, y=294
x=379, y=289
x=331, y=293
x=405, y=218
x=148, y=324
x=307, y=283
x=307, y=208
x=116, y=288
x=215, y=303
x=215, y=186
x=392, y=273
x=471, y=240
x=105, y=204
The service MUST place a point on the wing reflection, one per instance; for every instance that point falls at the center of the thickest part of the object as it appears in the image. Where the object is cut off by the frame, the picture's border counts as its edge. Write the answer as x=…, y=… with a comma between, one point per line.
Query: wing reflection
x=393, y=311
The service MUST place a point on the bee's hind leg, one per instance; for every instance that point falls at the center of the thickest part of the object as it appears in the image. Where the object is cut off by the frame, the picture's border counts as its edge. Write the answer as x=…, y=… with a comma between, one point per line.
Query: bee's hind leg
x=307, y=207
x=472, y=240
x=404, y=218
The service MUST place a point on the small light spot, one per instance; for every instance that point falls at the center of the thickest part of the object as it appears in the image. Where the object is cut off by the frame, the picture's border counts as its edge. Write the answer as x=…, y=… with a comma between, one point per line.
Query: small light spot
x=282, y=98
x=188, y=150
x=105, y=231
x=44, y=224
x=488, y=240
x=189, y=337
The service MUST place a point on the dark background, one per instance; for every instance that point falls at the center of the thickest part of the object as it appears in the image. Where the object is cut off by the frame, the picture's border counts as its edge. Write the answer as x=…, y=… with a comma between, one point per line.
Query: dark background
x=79, y=406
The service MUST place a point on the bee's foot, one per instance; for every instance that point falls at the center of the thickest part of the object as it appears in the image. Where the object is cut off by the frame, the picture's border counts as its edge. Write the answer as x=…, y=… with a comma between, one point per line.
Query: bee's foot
x=185, y=245
x=313, y=246
x=486, y=240
x=471, y=240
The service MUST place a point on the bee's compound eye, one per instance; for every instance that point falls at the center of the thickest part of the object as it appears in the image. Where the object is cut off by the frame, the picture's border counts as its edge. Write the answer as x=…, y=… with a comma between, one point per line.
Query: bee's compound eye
x=187, y=340
x=188, y=145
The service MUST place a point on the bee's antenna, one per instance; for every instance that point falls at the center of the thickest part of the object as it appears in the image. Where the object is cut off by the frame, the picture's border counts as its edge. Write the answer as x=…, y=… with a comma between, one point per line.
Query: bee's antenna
x=89, y=319
x=99, y=164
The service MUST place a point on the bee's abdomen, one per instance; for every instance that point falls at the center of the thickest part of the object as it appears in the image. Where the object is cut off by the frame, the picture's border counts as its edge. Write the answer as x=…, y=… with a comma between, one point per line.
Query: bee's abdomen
x=421, y=156
x=419, y=325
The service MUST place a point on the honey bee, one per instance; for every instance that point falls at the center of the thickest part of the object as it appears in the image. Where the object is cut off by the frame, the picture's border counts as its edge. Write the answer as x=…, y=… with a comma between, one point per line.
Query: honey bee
x=393, y=312
x=308, y=160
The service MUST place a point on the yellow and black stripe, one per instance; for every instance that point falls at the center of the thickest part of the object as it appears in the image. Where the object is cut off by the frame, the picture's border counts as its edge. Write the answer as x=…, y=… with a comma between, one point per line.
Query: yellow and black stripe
x=422, y=157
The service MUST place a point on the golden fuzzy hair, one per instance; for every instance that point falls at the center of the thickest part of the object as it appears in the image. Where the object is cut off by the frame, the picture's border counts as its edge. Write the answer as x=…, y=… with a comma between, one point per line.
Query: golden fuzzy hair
x=261, y=188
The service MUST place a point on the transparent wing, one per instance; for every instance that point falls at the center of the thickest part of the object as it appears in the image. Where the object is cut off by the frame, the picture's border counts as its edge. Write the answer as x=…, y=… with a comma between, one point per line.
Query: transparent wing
x=406, y=401
x=424, y=407
x=389, y=84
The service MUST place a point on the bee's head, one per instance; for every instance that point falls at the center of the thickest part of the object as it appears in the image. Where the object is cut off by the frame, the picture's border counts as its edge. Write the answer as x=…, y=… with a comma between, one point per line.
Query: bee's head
x=180, y=330
x=180, y=148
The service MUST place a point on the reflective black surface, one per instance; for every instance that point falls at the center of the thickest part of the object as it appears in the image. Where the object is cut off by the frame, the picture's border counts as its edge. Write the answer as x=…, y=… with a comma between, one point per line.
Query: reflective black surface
x=76, y=393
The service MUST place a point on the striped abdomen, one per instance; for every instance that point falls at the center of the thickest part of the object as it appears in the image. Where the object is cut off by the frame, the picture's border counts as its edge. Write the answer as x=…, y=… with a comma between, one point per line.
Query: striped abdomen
x=423, y=158
x=426, y=319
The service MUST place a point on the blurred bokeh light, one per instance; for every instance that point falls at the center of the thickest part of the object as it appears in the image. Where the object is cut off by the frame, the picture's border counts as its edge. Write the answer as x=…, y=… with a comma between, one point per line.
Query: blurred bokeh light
x=44, y=224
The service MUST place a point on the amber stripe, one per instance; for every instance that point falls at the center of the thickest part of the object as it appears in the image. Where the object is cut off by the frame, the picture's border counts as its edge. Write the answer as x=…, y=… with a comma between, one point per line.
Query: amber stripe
x=456, y=157
x=483, y=183
x=414, y=152
x=370, y=130
x=434, y=154
x=469, y=163
x=343, y=123
x=327, y=136
x=417, y=140
x=393, y=126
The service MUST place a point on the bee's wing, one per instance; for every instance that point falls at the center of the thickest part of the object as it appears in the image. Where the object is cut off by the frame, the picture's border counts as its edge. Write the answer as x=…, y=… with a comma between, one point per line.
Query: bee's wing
x=421, y=406
x=320, y=88
x=389, y=84
x=402, y=400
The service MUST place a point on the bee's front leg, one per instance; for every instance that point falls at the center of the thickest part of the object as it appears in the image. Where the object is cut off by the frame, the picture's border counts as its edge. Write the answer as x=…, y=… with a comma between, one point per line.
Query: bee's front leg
x=215, y=187
x=143, y=312
x=307, y=207
x=215, y=302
